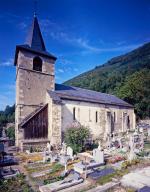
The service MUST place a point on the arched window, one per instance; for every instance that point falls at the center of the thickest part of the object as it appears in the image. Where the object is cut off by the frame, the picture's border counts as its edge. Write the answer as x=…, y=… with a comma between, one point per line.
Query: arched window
x=37, y=64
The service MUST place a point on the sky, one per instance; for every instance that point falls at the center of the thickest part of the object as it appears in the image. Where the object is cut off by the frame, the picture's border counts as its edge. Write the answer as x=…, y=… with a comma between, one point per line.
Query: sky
x=82, y=34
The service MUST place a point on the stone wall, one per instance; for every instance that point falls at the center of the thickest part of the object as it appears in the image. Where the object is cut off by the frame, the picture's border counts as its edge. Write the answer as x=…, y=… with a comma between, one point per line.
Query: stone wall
x=54, y=121
x=86, y=115
x=31, y=86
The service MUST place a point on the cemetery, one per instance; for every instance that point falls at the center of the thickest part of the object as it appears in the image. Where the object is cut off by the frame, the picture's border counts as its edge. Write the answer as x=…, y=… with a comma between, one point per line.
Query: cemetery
x=110, y=164
x=60, y=169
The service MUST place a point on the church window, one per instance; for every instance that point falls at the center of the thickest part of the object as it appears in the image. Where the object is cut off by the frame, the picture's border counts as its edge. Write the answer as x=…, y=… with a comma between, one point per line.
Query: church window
x=74, y=113
x=128, y=122
x=114, y=116
x=96, y=116
x=37, y=64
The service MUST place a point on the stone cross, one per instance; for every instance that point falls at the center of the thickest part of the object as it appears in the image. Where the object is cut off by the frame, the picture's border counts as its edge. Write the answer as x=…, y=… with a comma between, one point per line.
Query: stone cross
x=49, y=147
x=131, y=153
x=120, y=143
x=70, y=152
x=99, y=145
x=64, y=149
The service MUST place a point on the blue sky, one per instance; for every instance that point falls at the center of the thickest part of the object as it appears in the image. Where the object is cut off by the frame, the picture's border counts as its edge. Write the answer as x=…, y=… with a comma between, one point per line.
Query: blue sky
x=81, y=33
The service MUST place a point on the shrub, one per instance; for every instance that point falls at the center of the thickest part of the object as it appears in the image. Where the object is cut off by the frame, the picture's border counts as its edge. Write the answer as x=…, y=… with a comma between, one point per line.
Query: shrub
x=125, y=164
x=75, y=137
x=10, y=132
x=56, y=167
x=15, y=184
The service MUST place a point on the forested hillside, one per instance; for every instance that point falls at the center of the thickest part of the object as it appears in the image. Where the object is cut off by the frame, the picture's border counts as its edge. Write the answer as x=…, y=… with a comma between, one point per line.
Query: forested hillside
x=127, y=76
x=7, y=116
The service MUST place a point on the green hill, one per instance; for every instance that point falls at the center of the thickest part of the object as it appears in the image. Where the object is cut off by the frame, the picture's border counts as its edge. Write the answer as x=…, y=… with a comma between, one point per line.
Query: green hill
x=127, y=76
x=7, y=116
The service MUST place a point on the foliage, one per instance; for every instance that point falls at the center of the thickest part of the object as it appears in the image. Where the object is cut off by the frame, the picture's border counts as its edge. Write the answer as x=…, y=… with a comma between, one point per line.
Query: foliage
x=15, y=184
x=127, y=164
x=75, y=137
x=52, y=180
x=136, y=90
x=127, y=76
x=7, y=116
x=10, y=132
x=57, y=167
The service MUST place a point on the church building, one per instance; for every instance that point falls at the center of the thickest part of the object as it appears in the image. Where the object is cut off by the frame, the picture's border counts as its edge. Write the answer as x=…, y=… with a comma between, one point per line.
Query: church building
x=44, y=109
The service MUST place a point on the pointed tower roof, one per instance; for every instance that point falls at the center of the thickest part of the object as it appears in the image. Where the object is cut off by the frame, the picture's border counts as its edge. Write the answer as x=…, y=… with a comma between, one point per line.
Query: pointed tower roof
x=34, y=42
x=34, y=38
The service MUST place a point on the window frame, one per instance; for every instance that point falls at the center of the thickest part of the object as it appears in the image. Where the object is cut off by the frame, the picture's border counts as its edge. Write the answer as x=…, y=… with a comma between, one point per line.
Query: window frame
x=37, y=64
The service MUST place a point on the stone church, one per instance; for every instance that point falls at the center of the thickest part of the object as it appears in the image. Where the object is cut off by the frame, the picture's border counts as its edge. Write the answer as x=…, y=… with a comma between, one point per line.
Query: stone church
x=44, y=110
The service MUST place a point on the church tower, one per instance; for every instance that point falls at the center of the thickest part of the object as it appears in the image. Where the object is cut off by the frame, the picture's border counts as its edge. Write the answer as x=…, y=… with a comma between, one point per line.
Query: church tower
x=34, y=76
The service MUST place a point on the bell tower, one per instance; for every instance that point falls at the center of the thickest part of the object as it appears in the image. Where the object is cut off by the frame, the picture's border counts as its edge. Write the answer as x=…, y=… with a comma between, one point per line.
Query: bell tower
x=34, y=75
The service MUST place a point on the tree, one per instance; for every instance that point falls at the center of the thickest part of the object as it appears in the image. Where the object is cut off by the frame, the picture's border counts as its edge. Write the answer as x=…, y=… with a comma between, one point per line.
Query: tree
x=75, y=137
x=136, y=91
x=10, y=132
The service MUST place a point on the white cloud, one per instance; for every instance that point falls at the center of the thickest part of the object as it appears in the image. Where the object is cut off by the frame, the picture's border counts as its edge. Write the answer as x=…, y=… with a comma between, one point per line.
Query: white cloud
x=61, y=70
x=22, y=25
x=7, y=63
x=58, y=32
x=87, y=46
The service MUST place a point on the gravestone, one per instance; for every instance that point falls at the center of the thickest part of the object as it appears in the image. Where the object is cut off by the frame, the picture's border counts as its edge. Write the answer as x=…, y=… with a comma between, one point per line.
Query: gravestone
x=98, y=156
x=132, y=154
x=21, y=146
x=64, y=149
x=70, y=152
x=48, y=147
x=99, y=145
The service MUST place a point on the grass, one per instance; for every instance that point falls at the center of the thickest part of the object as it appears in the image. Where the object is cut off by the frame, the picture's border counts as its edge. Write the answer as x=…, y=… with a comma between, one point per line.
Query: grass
x=105, y=179
x=147, y=146
x=108, y=178
x=56, y=167
x=36, y=169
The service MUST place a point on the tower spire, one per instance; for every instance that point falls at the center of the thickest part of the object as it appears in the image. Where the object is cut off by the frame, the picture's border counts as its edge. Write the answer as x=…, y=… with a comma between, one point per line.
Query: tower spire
x=35, y=8
x=34, y=38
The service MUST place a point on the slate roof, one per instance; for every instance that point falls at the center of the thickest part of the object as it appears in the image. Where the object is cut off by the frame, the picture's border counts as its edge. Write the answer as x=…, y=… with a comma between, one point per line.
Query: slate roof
x=79, y=94
x=34, y=38
x=34, y=42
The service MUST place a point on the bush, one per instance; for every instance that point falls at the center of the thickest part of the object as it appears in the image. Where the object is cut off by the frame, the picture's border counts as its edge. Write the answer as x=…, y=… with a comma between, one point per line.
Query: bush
x=75, y=137
x=56, y=167
x=125, y=164
x=15, y=184
x=10, y=132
